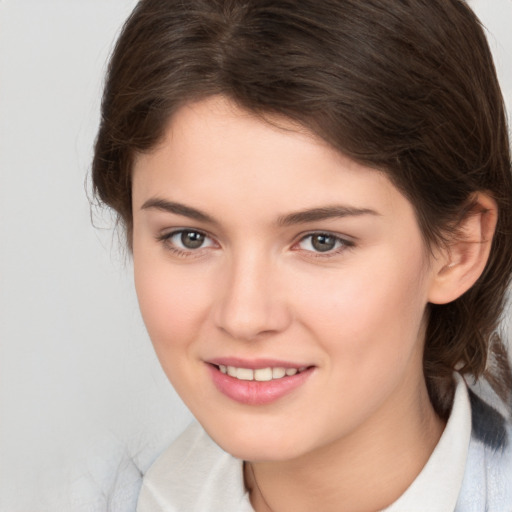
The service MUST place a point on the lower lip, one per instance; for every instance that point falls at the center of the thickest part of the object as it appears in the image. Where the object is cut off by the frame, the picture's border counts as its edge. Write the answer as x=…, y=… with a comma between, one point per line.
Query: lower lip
x=252, y=392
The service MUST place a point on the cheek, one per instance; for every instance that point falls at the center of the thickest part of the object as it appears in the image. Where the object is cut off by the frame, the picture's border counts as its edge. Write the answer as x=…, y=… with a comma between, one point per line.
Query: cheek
x=172, y=300
x=370, y=313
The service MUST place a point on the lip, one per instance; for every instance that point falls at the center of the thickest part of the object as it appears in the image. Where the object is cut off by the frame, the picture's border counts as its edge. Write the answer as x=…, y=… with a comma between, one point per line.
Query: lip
x=255, y=392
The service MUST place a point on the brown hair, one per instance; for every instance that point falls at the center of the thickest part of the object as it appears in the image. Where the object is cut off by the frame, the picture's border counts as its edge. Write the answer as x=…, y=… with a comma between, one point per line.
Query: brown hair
x=404, y=86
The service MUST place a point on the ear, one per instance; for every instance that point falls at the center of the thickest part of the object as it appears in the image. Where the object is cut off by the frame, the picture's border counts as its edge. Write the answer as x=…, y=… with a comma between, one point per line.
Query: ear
x=457, y=266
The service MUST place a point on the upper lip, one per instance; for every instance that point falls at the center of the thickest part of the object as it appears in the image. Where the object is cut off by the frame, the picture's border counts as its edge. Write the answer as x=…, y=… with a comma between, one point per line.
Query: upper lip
x=254, y=364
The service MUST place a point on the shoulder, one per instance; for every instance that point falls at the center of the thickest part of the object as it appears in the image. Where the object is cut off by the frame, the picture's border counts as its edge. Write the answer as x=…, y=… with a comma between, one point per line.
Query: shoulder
x=487, y=483
x=194, y=474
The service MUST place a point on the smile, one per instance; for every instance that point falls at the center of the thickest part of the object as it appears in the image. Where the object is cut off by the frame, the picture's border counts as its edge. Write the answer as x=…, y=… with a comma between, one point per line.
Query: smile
x=266, y=383
x=260, y=374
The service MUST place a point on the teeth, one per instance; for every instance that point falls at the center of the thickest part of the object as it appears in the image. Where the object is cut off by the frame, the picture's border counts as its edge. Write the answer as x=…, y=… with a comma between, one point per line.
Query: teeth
x=278, y=373
x=244, y=374
x=261, y=374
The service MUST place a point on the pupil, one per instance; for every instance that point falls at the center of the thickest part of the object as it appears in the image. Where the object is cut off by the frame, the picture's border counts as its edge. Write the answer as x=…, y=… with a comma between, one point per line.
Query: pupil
x=323, y=243
x=192, y=239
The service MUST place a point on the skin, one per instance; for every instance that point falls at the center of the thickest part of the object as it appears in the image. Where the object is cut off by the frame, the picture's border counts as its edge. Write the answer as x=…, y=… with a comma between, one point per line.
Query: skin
x=257, y=288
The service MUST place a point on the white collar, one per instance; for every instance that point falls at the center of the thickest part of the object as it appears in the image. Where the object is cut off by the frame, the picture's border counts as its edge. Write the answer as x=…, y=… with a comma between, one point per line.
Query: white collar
x=194, y=475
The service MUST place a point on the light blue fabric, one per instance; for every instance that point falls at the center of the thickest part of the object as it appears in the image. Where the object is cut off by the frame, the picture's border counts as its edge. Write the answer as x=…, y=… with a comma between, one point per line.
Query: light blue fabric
x=487, y=483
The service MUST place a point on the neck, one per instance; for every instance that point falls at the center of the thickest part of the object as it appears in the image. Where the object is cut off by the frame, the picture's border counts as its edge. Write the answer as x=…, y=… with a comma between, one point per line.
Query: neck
x=384, y=455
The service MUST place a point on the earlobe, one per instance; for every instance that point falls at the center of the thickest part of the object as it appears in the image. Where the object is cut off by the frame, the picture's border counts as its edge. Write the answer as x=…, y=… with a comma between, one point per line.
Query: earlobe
x=459, y=265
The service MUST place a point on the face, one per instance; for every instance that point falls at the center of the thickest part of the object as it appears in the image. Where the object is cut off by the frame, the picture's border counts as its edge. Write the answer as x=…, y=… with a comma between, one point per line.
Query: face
x=283, y=285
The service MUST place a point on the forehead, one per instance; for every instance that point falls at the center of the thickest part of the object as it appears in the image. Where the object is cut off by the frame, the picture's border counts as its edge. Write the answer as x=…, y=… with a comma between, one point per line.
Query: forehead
x=217, y=155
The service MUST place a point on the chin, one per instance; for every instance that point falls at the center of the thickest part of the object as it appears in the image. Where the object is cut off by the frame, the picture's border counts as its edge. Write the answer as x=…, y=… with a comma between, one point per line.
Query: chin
x=258, y=443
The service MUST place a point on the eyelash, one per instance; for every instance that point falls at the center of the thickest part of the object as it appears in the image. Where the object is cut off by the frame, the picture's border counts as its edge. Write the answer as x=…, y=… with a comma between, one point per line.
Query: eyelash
x=341, y=244
x=185, y=252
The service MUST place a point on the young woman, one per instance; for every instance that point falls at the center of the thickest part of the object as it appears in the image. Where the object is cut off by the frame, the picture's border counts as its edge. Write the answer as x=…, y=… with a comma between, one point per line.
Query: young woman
x=317, y=195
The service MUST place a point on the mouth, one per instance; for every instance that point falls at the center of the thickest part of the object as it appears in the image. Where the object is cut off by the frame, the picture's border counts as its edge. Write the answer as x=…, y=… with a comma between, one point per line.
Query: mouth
x=264, y=383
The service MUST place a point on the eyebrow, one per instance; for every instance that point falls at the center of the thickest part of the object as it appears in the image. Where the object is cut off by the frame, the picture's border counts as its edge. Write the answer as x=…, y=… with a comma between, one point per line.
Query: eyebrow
x=327, y=212
x=300, y=217
x=177, y=208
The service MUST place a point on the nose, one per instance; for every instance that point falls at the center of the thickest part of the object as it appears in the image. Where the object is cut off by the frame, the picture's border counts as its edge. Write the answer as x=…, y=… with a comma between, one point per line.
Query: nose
x=251, y=301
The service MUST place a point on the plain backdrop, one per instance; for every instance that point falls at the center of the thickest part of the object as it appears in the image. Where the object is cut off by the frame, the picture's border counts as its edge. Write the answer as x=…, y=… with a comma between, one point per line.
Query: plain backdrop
x=82, y=397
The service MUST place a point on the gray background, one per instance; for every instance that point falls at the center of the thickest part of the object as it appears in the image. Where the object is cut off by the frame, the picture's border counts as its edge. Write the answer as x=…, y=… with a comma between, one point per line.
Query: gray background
x=81, y=392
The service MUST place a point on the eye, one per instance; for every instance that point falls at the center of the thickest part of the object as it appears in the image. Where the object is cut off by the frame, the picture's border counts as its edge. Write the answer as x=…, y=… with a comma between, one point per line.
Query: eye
x=186, y=240
x=323, y=243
